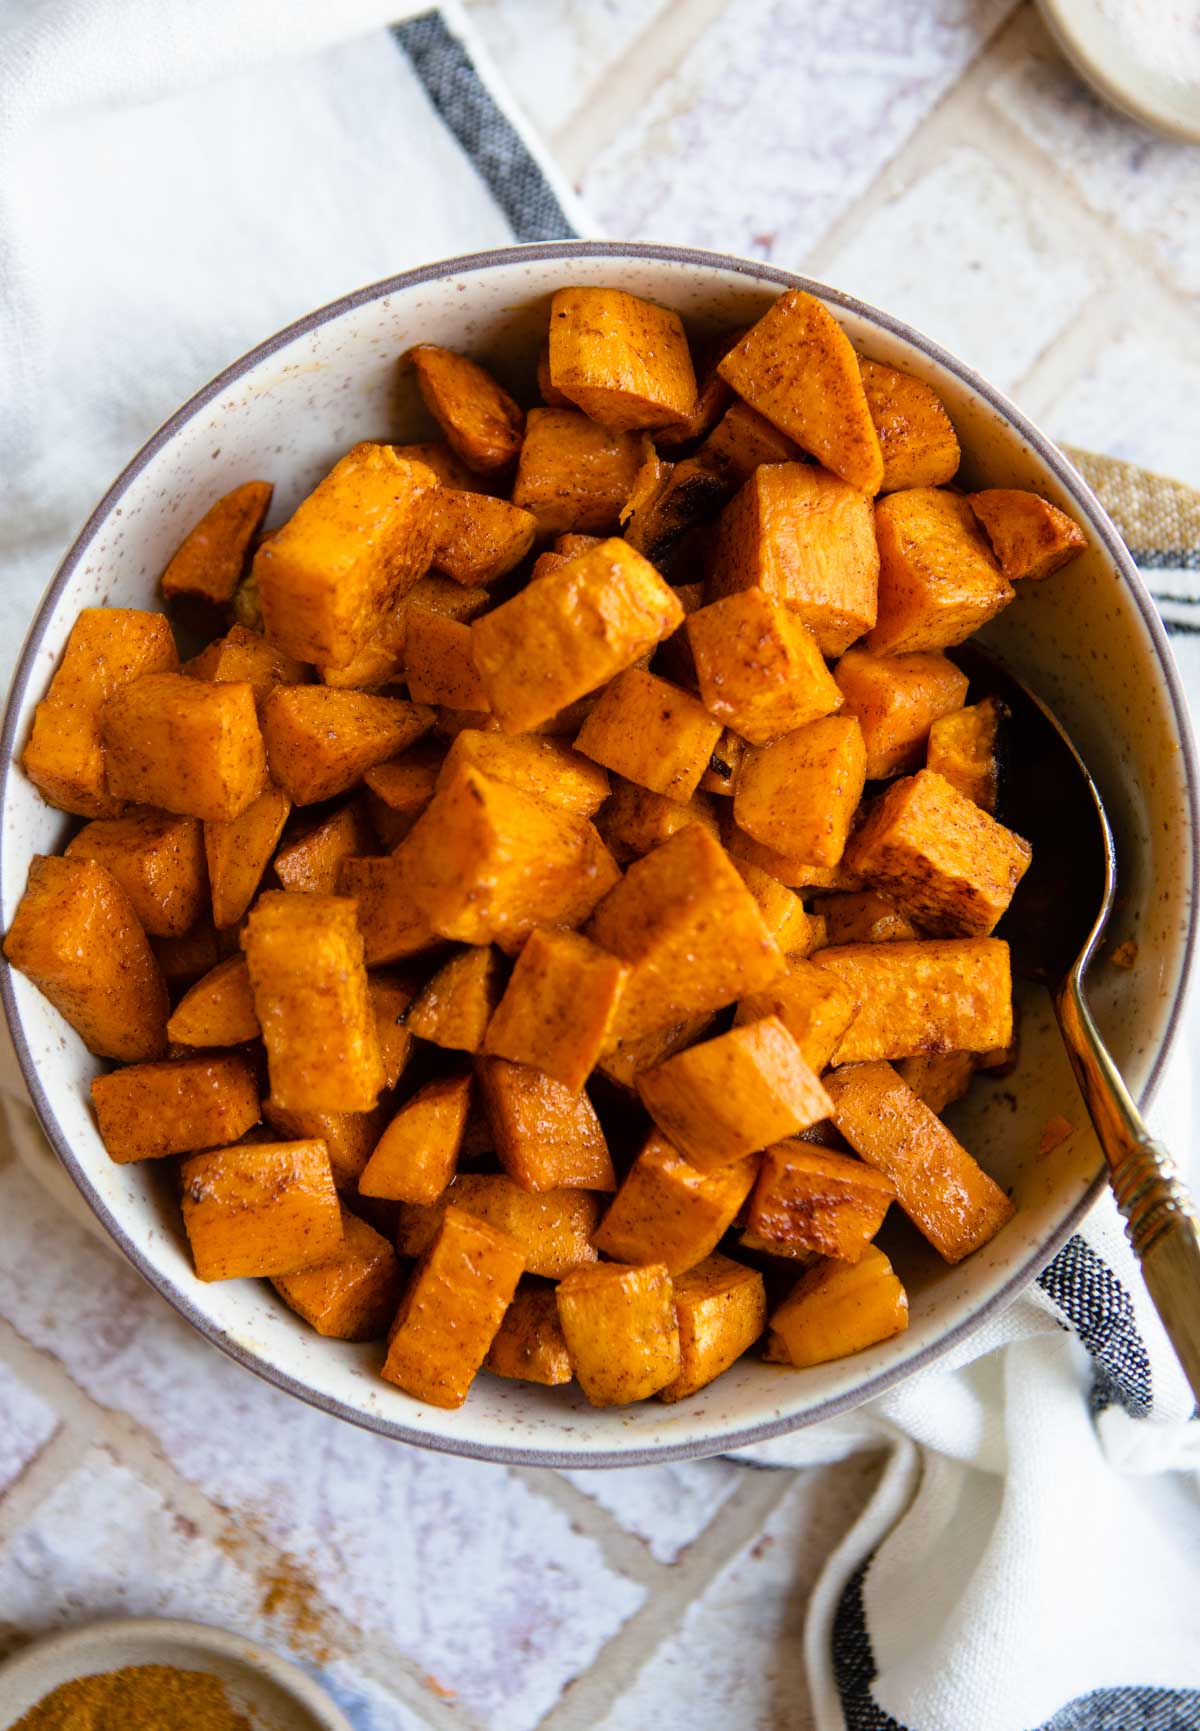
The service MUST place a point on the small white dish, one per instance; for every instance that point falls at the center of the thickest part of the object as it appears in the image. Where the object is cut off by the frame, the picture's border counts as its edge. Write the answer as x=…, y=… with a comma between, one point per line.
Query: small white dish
x=273, y=1692
x=1090, y=642
x=1144, y=86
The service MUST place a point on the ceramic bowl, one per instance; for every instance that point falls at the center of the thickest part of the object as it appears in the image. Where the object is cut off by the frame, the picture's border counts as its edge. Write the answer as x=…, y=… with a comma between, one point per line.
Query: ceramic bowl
x=1089, y=641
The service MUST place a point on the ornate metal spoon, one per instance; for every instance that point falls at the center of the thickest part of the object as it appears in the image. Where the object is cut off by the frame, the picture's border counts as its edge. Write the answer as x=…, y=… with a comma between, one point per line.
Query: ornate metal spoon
x=1054, y=926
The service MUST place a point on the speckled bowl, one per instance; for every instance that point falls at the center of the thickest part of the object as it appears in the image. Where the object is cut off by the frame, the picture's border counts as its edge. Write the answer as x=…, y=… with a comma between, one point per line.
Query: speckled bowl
x=1089, y=641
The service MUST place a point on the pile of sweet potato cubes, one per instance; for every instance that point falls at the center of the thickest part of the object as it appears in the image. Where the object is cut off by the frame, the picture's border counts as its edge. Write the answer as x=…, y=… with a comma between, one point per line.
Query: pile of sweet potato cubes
x=497, y=888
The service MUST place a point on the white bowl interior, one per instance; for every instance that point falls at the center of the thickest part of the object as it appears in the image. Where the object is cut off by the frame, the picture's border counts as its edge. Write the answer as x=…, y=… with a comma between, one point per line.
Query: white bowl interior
x=1087, y=641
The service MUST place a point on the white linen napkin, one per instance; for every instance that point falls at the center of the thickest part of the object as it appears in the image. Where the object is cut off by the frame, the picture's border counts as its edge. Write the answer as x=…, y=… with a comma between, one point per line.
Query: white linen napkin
x=175, y=183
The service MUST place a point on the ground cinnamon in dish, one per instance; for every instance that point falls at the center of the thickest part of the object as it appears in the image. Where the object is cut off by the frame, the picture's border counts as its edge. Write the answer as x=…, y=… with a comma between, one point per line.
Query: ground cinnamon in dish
x=141, y=1698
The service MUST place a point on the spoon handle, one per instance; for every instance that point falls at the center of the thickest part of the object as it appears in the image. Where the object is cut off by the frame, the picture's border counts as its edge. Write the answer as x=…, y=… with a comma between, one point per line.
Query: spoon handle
x=1160, y=1216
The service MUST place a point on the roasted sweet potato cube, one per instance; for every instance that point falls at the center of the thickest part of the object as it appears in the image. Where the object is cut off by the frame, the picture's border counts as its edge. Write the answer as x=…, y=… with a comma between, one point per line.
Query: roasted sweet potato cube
x=758, y=666
x=313, y=860
x=549, y=768
x=209, y=562
x=814, y=1006
x=916, y=435
x=1029, y=536
x=624, y=361
x=797, y=873
x=945, y=1193
x=693, y=932
x=817, y=1201
x=838, y=1308
x=218, y=1010
x=943, y=995
x=964, y=749
x=184, y=745
x=476, y=538
x=487, y=862
x=381, y=660
x=633, y=819
x=938, y=581
x=558, y=1008
x=438, y=662
x=621, y=1331
x=453, y=1010
x=321, y=741
x=896, y=699
x=352, y=1296
x=305, y=956
x=574, y=475
x=666, y=501
x=399, y=790
x=195, y=952
x=553, y=1227
x=566, y=634
x=75, y=935
x=238, y=852
x=349, y=1137
x=267, y=1208
x=668, y=1211
x=722, y=772
x=415, y=1158
x=792, y=927
x=553, y=399
x=800, y=794
x=359, y=540
x=713, y=395
x=625, y=1061
x=481, y=422
x=863, y=917
x=393, y=927
x=452, y=1310
x=741, y=442
x=547, y=1136
x=244, y=657
x=721, y=1309
x=158, y=860
x=939, y=1078
x=175, y=1107
x=943, y=861
x=530, y=1345
x=391, y=992
x=727, y=1097
x=808, y=540
x=436, y=454
x=650, y=732
x=108, y=648
x=796, y=366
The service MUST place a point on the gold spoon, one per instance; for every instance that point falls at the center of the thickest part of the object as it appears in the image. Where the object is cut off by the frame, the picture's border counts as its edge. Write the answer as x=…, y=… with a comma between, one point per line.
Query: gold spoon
x=1053, y=926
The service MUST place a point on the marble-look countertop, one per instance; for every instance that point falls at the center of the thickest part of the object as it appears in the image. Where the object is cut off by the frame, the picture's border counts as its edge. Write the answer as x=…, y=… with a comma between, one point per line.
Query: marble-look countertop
x=932, y=155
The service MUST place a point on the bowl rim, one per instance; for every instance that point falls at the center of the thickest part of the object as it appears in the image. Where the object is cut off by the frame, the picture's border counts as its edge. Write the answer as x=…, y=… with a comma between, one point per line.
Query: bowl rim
x=728, y=1438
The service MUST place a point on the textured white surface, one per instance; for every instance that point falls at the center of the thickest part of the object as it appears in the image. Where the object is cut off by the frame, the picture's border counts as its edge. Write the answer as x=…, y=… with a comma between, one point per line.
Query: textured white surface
x=666, y=1507
x=553, y=55
x=1137, y=398
x=778, y=117
x=1150, y=185
x=735, y=1658
x=26, y=1426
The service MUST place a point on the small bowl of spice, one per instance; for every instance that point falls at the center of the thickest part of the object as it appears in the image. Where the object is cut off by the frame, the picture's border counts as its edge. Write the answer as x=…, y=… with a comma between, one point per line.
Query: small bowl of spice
x=154, y=1674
